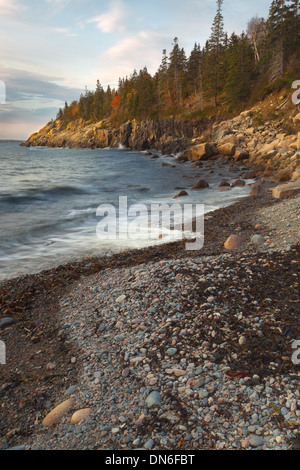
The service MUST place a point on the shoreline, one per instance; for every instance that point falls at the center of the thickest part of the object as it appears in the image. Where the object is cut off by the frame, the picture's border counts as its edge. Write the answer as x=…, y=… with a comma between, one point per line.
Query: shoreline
x=37, y=337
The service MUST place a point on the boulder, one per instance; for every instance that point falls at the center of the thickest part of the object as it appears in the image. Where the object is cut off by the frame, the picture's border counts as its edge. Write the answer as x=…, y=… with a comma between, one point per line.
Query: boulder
x=228, y=150
x=220, y=133
x=229, y=139
x=296, y=175
x=257, y=190
x=284, y=191
x=250, y=175
x=241, y=154
x=198, y=152
x=224, y=183
x=181, y=194
x=283, y=175
x=238, y=184
x=201, y=184
x=168, y=165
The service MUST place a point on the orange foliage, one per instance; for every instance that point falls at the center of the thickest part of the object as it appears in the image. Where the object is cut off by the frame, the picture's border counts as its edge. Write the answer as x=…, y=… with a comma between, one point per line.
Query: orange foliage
x=116, y=100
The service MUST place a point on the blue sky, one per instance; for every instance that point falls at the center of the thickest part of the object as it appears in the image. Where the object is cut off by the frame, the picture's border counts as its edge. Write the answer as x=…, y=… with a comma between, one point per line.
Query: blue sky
x=51, y=49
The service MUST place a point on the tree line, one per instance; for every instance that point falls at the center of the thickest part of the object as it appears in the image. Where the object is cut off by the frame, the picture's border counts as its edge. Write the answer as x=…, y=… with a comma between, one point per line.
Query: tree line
x=228, y=70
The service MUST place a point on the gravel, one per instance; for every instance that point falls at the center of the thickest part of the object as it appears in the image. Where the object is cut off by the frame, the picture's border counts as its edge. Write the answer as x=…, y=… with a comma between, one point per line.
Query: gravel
x=189, y=351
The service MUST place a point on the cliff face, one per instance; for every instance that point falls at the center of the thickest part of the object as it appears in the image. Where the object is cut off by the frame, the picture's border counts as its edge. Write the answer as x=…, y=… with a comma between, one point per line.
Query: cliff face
x=166, y=135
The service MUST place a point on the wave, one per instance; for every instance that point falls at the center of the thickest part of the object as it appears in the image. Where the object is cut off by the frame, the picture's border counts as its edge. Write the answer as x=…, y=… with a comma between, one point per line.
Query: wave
x=35, y=194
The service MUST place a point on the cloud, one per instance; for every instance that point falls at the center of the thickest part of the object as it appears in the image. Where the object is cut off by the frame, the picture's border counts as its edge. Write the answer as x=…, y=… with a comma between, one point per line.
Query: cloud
x=32, y=100
x=58, y=5
x=113, y=20
x=136, y=52
x=65, y=32
x=10, y=6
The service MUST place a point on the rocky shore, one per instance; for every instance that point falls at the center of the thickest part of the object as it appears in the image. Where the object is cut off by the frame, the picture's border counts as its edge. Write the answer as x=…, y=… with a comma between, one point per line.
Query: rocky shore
x=270, y=147
x=161, y=348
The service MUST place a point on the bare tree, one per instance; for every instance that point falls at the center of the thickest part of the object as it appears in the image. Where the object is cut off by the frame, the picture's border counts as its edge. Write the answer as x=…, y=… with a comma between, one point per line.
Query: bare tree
x=256, y=31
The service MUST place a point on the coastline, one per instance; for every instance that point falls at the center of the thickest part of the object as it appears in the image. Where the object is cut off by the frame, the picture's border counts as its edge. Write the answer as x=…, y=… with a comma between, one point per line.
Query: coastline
x=37, y=335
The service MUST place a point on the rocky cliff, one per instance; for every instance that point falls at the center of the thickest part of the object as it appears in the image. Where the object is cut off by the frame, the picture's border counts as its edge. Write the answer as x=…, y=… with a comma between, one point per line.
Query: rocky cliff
x=165, y=135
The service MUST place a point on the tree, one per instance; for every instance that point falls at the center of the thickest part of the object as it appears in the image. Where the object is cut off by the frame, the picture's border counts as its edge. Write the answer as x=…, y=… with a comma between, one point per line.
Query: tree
x=177, y=69
x=215, y=46
x=257, y=33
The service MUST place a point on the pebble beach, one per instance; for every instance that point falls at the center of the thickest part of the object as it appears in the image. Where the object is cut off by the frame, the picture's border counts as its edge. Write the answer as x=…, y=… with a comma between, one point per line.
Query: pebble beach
x=161, y=349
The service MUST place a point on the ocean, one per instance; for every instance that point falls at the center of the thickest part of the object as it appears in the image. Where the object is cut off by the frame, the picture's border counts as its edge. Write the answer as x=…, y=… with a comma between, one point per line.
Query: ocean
x=49, y=200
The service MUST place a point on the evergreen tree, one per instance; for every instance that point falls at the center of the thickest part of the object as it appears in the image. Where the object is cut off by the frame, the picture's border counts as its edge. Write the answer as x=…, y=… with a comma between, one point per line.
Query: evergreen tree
x=215, y=47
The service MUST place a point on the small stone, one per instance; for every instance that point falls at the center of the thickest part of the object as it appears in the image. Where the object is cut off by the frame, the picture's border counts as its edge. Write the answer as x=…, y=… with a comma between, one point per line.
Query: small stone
x=121, y=299
x=149, y=444
x=154, y=400
x=171, y=352
x=256, y=441
x=59, y=412
x=115, y=430
x=80, y=416
x=233, y=242
x=257, y=240
x=51, y=366
x=6, y=322
x=242, y=341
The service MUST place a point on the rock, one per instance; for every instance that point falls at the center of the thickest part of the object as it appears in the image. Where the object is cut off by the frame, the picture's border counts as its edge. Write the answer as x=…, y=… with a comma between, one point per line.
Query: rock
x=238, y=184
x=6, y=322
x=286, y=190
x=298, y=141
x=171, y=352
x=179, y=373
x=71, y=390
x=296, y=175
x=250, y=175
x=80, y=416
x=55, y=416
x=227, y=150
x=121, y=299
x=233, y=242
x=51, y=366
x=241, y=154
x=283, y=175
x=256, y=441
x=257, y=240
x=198, y=152
x=168, y=165
x=149, y=444
x=242, y=341
x=220, y=133
x=181, y=194
x=154, y=400
x=200, y=185
x=224, y=183
x=223, y=189
x=257, y=190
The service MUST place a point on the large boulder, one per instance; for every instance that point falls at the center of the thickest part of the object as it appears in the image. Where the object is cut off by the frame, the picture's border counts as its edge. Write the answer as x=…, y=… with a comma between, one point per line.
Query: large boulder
x=198, y=152
x=284, y=191
x=228, y=150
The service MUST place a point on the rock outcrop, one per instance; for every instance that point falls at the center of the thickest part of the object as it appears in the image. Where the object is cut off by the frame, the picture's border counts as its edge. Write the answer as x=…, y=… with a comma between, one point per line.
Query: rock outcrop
x=166, y=135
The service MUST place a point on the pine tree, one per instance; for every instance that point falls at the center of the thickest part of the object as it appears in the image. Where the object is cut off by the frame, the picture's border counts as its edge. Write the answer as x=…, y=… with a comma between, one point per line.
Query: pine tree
x=214, y=60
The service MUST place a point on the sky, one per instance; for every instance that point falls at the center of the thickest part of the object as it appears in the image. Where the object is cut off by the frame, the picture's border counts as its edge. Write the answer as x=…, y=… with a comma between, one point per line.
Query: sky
x=50, y=50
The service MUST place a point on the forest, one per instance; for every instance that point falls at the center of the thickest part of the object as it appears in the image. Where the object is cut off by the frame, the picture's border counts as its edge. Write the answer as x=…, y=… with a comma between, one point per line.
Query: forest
x=227, y=72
